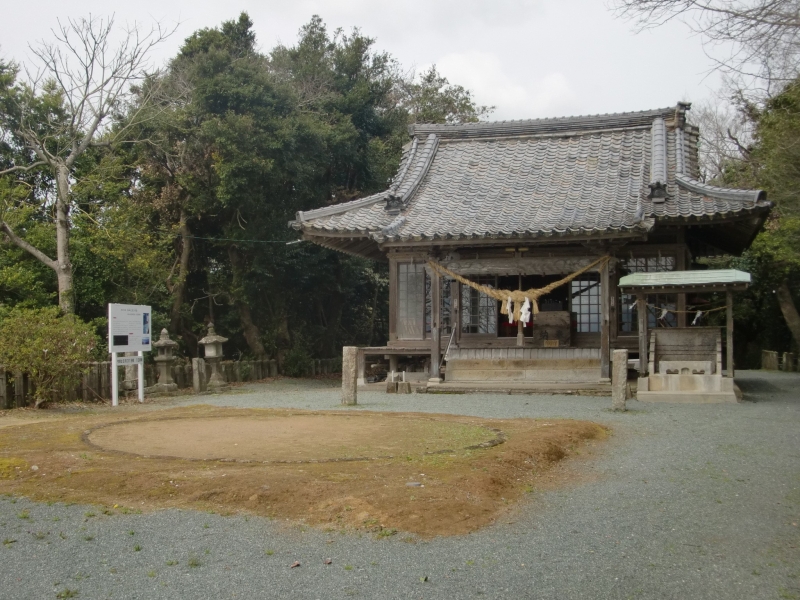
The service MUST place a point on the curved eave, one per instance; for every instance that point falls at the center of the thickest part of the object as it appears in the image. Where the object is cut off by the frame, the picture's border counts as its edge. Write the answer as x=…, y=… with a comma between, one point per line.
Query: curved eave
x=354, y=243
x=321, y=230
x=712, y=191
x=568, y=234
x=303, y=217
x=762, y=209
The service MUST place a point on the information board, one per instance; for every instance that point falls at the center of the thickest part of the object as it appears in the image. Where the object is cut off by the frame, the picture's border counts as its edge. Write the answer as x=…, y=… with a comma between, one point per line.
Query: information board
x=129, y=328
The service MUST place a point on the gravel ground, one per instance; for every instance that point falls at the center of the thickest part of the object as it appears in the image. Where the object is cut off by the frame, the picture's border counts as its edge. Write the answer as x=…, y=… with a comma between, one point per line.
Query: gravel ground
x=684, y=502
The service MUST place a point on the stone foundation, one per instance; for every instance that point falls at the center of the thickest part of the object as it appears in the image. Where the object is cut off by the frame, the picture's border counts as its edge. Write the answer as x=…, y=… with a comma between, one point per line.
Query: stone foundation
x=524, y=365
x=687, y=388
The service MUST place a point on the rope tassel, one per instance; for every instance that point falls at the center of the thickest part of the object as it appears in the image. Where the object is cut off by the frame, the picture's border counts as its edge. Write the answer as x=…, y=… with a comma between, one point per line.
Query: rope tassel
x=525, y=315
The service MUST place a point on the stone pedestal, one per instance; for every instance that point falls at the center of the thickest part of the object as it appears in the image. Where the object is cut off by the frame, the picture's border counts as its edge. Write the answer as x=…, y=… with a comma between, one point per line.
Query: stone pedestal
x=213, y=356
x=619, y=380
x=349, y=375
x=165, y=349
x=216, y=381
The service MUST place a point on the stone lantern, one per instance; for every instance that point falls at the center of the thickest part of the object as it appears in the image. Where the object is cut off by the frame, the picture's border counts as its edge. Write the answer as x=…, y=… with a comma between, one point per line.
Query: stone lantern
x=213, y=353
x=165, y=348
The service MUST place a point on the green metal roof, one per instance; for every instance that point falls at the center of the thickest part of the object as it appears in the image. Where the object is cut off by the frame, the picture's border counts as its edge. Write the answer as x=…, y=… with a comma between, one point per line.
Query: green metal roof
x=713, y=277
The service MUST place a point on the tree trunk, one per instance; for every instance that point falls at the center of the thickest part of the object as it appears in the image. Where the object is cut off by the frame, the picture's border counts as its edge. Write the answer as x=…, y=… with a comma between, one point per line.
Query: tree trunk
x=179, y=289
x=66, y=299
x=252, y=335
x=283, y=337
x=333, y=308
x=61, y=265
x=789, y=311
x=251, y=332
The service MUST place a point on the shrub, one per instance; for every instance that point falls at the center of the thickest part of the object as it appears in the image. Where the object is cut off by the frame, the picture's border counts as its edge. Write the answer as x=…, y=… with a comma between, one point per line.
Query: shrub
x=48, y=346
x=296, y=362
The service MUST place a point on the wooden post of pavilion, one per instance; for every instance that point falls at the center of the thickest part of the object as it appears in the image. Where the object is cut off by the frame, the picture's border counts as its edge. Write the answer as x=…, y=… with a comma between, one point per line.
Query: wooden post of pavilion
x=520, y=327
x=729, y=328
x=436, y=326
x=641, y=303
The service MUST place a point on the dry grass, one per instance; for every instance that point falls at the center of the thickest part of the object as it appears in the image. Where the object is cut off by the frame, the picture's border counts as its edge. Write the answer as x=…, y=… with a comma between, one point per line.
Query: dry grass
x=460, y=490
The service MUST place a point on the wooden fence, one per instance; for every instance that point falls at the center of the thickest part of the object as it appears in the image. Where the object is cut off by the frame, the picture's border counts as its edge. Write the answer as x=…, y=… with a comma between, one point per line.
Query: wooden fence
x=16, y=389
x=772, y=361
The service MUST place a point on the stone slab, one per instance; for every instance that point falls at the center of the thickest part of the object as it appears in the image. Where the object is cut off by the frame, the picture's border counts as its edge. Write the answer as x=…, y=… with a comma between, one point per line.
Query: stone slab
x=689, y=398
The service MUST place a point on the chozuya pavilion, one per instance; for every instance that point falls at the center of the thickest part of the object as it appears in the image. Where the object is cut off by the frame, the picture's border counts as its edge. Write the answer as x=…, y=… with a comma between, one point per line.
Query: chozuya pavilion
x=506, y=242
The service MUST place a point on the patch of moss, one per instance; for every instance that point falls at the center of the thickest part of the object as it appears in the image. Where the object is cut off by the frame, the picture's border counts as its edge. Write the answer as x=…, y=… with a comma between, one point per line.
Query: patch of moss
x=10, y=467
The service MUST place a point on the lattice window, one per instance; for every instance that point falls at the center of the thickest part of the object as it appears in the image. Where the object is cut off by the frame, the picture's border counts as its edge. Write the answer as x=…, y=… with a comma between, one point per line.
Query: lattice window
x=446, y=302
x=585, y=295
x=478, y=311
x=657, y=302
x=648, y=264
x=628, y=312
x=448, y=286
x=410, y=301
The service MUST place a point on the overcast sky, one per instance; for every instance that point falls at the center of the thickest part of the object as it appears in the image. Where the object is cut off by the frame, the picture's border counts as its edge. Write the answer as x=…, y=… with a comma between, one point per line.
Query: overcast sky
x=529, y=58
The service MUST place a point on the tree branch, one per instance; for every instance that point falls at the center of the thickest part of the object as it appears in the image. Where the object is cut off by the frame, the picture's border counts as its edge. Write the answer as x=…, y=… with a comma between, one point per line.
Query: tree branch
x=30, y=249
x=23, y=169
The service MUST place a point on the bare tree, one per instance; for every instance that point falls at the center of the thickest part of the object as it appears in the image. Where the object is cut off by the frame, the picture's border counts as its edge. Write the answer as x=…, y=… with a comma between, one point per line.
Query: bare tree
x=756, y=42
x=726, y=137
x=65, y=105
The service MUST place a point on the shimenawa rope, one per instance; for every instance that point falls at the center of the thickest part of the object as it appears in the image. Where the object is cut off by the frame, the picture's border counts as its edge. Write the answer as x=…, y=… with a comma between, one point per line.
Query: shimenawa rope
x=524, y=302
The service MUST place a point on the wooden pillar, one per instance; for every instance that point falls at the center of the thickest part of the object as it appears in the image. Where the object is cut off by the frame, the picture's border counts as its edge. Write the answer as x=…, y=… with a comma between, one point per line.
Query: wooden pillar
x=436, y=326
x=605, y=326
x=613, y=296
x=455, y=318
x=680, y=265
x=641, y=303
x=19, y=389
x=729, y=313
x=392, y=299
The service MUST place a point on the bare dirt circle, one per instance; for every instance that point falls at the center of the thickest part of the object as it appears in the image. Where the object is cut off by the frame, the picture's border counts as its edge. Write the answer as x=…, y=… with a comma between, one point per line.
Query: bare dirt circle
x=290, y=438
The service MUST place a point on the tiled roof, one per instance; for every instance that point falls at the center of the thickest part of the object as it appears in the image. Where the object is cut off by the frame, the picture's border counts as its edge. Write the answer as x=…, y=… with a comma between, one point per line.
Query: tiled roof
x=538, y=178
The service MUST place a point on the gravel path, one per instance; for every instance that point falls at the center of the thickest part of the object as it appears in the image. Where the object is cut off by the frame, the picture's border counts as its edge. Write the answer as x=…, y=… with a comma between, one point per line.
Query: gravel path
x=684, y=502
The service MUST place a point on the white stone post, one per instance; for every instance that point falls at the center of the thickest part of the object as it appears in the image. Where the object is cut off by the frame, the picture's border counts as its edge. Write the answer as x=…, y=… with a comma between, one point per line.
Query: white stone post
x=349, y=375
x=198, y=375
x=619, y=380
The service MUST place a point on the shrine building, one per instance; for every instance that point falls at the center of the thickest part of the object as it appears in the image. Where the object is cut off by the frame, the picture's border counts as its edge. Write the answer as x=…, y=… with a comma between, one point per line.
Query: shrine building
x=519, y=205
